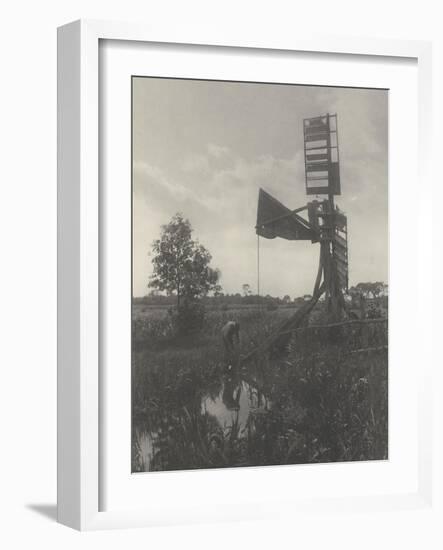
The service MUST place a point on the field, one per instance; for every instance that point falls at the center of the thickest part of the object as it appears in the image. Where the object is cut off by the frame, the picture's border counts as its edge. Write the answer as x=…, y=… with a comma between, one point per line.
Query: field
x=324, y=400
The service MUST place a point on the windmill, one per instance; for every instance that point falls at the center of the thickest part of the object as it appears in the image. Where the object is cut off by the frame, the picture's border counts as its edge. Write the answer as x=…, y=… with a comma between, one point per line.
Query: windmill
x=326, y=224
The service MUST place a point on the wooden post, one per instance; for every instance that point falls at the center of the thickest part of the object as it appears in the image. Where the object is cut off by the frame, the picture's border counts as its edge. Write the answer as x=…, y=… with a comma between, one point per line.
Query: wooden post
x=319, y=272
x=258, y=265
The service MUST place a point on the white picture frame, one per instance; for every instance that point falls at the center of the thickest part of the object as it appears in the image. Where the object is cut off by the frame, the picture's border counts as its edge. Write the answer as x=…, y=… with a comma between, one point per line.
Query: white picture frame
x=79, y=367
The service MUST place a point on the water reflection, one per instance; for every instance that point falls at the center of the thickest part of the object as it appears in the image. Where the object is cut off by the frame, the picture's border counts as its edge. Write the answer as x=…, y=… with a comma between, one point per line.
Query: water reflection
x=145, y=444
x=233, y=405
x=210, y=428
x=306, y=409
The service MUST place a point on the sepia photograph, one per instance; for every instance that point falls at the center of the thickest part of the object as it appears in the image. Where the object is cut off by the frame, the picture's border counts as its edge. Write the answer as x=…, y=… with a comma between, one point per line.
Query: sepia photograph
x=260, y=271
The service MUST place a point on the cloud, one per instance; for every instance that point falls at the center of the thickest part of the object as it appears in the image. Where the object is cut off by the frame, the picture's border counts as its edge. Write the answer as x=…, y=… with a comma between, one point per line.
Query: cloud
x=217, y=151
x=148, y=178
x=207, y=148
x=221, y=204
x=216, y=187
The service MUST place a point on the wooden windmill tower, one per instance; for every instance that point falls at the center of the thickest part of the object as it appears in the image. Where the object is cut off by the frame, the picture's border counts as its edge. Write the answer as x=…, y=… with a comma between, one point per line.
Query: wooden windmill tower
x=325, y=223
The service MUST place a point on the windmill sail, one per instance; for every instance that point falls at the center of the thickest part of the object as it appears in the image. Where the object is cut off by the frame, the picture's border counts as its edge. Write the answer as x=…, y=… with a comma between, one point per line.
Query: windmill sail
x=274, y=219
x=322, y=172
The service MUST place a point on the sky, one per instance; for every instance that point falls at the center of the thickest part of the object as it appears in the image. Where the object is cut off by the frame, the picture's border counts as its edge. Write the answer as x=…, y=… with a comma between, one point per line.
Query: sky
x=204, y=148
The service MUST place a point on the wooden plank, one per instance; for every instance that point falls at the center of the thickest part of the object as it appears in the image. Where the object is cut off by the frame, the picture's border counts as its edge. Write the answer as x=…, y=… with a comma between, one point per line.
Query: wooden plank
x=341, y=254
x=317, y=137
x=319, y=273
x=340, y=241
x=302, y=221
x=342, y=271
x=317, y=190
x=318, y=179
x=342, y=265
x=317, y=167
x=317, y=121
x=315, y=147
x=342, y=280
x=317, y=129
x=377, y=320
x=317, y=157
x=335, y=177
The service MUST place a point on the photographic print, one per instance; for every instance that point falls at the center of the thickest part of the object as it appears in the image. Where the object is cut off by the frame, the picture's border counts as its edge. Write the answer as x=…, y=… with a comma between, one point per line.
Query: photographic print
x=259, y=274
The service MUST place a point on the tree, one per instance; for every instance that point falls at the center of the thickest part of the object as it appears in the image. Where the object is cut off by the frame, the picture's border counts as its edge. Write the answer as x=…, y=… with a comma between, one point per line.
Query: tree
x=181, y=264
x=370, y=289
x=377, y=289
x=246, y=289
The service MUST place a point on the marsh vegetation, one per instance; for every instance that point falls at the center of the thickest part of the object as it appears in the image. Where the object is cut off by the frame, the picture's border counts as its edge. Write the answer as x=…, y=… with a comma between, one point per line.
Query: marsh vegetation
x=323, y=400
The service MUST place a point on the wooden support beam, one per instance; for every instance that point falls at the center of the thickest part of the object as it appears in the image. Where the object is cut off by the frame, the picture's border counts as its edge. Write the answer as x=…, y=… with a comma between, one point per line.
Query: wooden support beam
x=280, y=336
x=283, y=216
x=319, y=273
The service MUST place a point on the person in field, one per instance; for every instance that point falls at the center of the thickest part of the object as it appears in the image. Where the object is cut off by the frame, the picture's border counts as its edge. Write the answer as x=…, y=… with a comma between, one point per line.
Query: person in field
x=231, y=336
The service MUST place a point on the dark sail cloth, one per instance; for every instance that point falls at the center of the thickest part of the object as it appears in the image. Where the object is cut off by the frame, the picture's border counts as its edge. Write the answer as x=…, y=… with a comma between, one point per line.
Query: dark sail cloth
x=274, y=219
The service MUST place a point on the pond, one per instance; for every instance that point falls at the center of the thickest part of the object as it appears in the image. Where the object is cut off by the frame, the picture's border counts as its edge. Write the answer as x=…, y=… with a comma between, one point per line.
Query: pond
x=329, y=407
x=227, y=408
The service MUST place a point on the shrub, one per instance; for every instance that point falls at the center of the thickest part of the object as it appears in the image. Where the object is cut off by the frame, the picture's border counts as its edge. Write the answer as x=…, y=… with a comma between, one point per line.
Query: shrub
x=187, y=318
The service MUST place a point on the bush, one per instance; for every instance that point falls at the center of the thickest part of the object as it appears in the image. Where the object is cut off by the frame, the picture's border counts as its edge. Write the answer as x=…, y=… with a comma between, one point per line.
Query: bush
x=187, y=318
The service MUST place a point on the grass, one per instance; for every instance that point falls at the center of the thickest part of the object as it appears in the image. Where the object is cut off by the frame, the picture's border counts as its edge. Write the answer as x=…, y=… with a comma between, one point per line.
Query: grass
x=326, y=406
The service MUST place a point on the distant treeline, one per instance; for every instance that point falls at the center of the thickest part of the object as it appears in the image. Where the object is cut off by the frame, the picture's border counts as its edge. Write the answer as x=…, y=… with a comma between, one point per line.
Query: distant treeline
x=220, y=300
x=367, y=290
